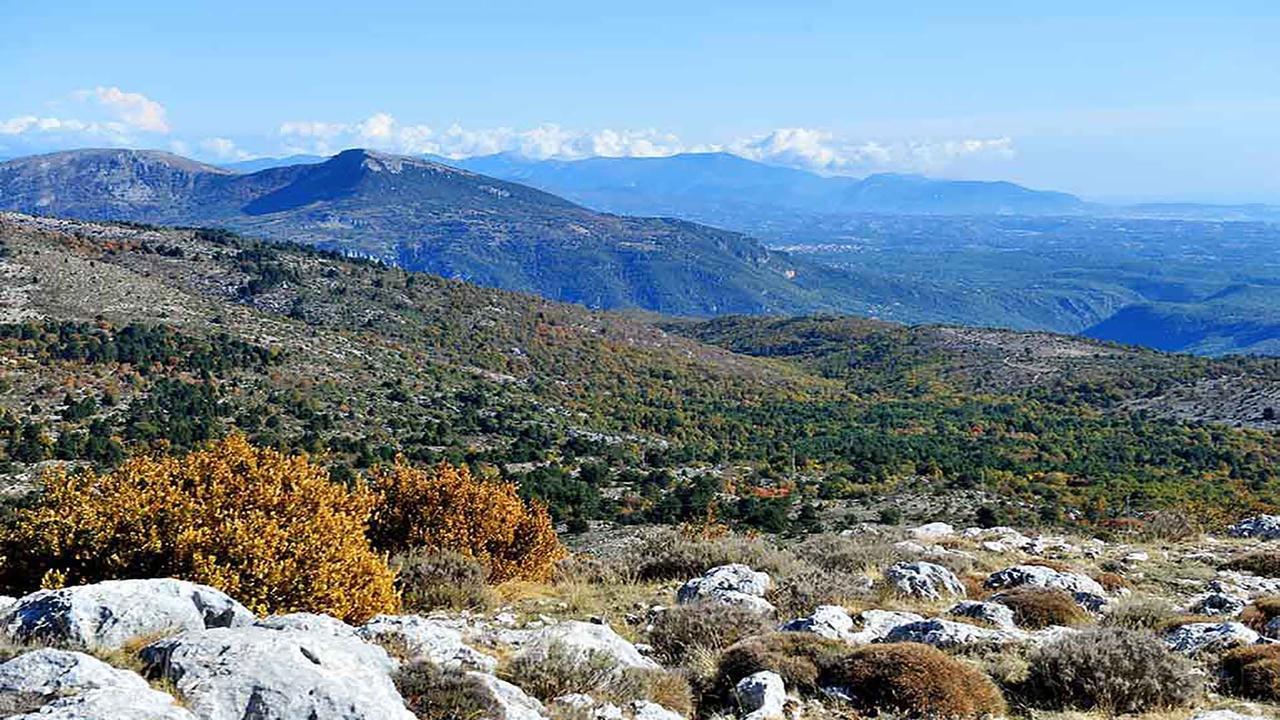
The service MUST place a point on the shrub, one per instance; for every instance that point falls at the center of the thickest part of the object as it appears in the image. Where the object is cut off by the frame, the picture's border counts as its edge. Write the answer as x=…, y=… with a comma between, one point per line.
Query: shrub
x=1143, y=613
x=432, y=693
x=1260, y=612
x=1113, y=582
x=914, y=680
x=682, y=629
x=1035, y=607
x=672, y=556
x=561, y=670
x=434, y=579
x=852, y=555
x=1252, y=672
x=799, y=657
x=269, y=529
x=800, y=593
x=1110, y=669
x=1265, y=563
x=445, y=508
x=668, y=689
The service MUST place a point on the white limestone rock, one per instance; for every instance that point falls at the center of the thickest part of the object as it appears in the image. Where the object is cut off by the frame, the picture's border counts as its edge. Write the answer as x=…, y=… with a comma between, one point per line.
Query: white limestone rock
x=761, y=696
x=924, y=580
x=945, y=634
x=1264, y=527
x=427, y=638
x=1045, y=577
x=734, y=584
x=257, y=672
x=583, y=638
x=108, y=614
x=829, y=621
x=112, y=704
x=49, y=671
x=877, y=624
x=1197, y=638
x=998, y=615
x=509, y=701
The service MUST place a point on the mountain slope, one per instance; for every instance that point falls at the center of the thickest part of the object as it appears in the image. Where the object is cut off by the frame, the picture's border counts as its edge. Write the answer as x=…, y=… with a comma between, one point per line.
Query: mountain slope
x=428, y=216
x=118, y=339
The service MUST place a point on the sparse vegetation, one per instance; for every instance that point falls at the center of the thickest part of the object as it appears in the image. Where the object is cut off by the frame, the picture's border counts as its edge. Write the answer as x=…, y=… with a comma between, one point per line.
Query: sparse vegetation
x=441, y=579
x=684, y=629
x=800, y=658
x=1252, y=672
x=432, y=693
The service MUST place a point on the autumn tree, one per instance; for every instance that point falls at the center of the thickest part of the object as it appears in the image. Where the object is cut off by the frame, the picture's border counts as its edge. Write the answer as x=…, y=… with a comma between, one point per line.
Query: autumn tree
x=269, y=529
x=447, y=508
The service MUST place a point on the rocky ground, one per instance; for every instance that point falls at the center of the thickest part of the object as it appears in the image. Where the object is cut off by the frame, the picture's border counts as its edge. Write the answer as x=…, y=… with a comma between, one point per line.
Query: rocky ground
x=654, y=625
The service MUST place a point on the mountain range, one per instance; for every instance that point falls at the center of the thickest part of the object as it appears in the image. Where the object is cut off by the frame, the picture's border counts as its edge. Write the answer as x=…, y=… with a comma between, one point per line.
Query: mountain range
x=887, y=246
x=427, y=216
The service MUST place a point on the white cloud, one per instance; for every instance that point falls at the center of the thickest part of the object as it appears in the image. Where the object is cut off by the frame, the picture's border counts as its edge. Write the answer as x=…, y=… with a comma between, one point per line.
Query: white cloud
x=221, y=148
x=808, y=148
x=820, y=150
x=135, y=110
x=383, y=132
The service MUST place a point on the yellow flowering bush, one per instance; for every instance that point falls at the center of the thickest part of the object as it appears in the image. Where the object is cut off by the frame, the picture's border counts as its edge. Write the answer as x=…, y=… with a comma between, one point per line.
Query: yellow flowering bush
x=269, y=529
x=446, y=508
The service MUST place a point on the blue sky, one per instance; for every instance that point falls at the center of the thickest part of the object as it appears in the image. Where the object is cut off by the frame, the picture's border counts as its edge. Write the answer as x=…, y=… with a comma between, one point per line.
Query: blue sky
x=1116, y=100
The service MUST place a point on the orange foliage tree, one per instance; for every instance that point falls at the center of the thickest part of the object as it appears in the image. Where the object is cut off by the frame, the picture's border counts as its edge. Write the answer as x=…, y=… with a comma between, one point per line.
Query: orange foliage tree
x=446, y=508
x=269, y=529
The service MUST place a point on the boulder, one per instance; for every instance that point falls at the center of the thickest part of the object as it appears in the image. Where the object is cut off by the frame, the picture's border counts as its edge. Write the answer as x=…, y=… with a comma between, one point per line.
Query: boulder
x=1216, y=603
x=421, y=637
x=107, y=615
x=945, y=634
x=876, y=624
x=509, y=702
x=933, y=531
x=582, y=638
x=829, y=621
x=273, y=674
x=924, y=580
x=647, y=710
x=994, y=613
x=61, y=672
x=74, y=686
x=761, y=696
x=1045, y=577
x=734, y=584
x=1265, y=527
x=579, y=705
x=1197, y=638
x=112, y=704
x=308, y=622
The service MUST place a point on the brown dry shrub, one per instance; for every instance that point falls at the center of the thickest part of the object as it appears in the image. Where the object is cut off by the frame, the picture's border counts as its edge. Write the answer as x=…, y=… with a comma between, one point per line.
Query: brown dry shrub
x=668, y=689
x=1035, y=608
x=916, y=681
x=446, y=508
x=1112, y=581
x=269, y=529
x=1264, y=563
x=799, y=657
x=1252, y=672
x=684, y=629
x=1260, y=612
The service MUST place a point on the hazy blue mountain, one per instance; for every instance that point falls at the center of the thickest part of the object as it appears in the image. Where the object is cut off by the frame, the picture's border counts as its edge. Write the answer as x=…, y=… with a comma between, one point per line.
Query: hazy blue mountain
x=266, y=163
x=732, y=191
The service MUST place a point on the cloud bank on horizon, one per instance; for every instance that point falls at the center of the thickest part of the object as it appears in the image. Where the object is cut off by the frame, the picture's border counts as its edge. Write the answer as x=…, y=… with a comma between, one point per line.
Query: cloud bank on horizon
x=112, y=116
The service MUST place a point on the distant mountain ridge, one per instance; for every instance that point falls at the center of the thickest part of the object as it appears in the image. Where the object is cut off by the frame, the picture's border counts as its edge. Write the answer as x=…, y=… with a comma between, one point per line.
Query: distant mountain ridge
x=454, y=222
x=732, y=191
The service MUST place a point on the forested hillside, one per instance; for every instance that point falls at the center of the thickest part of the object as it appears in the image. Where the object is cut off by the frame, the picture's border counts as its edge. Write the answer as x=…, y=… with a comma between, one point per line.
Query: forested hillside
x=119, y=339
